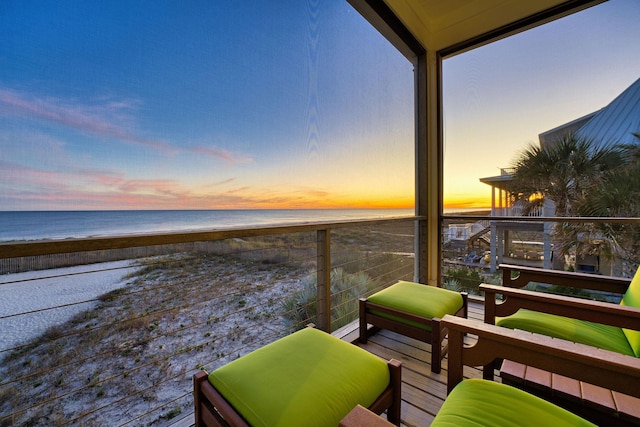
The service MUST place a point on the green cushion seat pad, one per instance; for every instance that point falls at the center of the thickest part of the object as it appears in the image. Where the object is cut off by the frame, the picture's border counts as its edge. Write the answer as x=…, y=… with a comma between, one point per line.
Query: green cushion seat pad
x=593, y=334
x=476, y=402
x=309, y=378
x=631, y=298
x=417, y=299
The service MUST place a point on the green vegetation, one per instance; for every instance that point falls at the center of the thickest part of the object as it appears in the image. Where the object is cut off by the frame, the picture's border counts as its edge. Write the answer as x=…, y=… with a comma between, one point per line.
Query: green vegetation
x=189, y=310
x=463, y=279
x=584, y=178
x=346, y=288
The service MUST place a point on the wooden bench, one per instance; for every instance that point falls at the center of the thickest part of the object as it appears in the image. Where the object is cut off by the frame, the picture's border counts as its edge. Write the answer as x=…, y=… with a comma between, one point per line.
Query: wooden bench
x=593, y=365
x=584, y=399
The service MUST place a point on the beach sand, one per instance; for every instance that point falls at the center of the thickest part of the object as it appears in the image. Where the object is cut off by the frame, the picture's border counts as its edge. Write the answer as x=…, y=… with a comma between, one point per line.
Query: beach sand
x=129, y=358
x=131, y=355
x=36, y=292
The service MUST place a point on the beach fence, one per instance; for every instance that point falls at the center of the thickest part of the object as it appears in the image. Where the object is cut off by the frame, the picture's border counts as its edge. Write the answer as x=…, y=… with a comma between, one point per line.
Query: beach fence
x=127, y=356
x=46, y=262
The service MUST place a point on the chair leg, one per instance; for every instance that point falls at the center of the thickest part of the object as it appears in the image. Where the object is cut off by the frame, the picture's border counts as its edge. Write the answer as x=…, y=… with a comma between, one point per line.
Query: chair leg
x=393, y=413
x=363, y=320
x=436, y=346
x=465, y=305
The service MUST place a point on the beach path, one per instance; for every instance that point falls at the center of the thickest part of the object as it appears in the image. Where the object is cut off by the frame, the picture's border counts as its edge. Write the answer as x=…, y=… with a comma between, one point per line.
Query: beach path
x=33, y=301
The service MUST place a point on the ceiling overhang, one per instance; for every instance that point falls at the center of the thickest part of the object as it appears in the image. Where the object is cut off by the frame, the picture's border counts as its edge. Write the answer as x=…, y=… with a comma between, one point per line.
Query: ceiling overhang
x=452, y=26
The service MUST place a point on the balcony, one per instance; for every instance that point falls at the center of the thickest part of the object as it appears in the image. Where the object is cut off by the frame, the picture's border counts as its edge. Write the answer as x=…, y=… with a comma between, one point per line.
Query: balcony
x=169, y=305
x=191, y=301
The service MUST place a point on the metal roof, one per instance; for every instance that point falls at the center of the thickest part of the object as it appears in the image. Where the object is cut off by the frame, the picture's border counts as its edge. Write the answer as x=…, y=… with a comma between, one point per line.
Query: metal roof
x=616, y=122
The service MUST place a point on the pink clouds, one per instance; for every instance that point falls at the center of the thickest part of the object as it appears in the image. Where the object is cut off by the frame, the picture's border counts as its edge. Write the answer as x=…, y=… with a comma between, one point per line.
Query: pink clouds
x=107, y=119
x=82, y=188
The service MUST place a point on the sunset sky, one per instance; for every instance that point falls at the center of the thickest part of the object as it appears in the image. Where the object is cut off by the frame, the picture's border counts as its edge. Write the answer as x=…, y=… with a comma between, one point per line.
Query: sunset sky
x=498, y=98
x=232, y=105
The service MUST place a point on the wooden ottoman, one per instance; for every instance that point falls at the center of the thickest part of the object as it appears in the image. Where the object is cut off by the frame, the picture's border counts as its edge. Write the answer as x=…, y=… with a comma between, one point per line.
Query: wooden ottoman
x=308, y=378
x=414, y=310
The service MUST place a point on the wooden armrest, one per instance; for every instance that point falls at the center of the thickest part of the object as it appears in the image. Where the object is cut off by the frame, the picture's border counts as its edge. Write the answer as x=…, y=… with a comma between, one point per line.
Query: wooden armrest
x=592, y=365
x=575, y=308
x=570, y=279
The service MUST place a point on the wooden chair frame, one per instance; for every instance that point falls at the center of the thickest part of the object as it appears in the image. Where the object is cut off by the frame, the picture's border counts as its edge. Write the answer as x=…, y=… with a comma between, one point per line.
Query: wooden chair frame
x=212, y=409
x=576, y=308
x=435, y=337
x=596, y=366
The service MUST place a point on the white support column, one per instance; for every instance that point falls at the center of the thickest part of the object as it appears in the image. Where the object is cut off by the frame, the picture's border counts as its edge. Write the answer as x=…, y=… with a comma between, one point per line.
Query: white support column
x=494, y=249
x=493, y=200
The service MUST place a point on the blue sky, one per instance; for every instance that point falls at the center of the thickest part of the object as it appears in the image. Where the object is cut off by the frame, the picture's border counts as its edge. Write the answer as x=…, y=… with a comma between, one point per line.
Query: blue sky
x=165, y=104
x=289, y=104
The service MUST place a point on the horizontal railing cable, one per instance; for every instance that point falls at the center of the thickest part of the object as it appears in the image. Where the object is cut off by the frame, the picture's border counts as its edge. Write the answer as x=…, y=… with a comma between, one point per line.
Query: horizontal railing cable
x=205, y=307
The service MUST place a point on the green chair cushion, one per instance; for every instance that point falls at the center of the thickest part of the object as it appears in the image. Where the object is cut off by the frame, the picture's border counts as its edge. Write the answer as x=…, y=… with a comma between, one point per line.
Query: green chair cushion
x=417, y=299
x=476, y=402
x=593, y=334
x=631, y=298
x=308, y=378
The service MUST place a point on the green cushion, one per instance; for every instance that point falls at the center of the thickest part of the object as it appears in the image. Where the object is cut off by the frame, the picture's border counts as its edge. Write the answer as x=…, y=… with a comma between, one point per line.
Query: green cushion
x=477, y=403
x=632, y=299
x=309, y=378
x=417, y=299
x=593, y=334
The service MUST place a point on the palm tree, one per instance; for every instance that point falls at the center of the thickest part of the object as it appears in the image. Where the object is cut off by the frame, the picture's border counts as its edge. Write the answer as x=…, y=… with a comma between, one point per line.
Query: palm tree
x=565, y=173
x=617, y=195
x=562, y=172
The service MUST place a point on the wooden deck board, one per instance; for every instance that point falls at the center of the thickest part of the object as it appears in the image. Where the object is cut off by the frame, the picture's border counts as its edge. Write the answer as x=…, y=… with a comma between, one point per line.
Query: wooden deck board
x=423, y=391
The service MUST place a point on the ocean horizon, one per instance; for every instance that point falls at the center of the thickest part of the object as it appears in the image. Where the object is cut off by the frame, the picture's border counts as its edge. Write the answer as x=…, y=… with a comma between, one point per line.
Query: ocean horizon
x=54, y=225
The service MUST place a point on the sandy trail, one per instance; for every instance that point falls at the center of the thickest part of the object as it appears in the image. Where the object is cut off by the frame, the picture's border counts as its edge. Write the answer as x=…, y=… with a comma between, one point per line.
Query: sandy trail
x=36, y=293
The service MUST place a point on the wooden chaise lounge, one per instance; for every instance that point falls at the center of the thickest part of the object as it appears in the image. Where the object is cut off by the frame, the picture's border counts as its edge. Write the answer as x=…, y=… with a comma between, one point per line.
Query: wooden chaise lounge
x=308, y=378
x=604, y=325
x=597, y=324
x=487, y=403
x=414, y=310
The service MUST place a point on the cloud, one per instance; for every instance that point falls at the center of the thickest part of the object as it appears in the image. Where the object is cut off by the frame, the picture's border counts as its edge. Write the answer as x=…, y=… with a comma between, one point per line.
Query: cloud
x=105, y=120
x=219, y=153
x=80, y=187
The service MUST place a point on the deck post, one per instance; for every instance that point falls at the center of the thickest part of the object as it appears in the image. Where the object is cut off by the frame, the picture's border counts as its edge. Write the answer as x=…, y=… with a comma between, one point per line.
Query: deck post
x=323, y=261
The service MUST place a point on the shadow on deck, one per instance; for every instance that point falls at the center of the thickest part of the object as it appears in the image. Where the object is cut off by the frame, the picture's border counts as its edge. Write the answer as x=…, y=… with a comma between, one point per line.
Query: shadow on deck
x=423, y=392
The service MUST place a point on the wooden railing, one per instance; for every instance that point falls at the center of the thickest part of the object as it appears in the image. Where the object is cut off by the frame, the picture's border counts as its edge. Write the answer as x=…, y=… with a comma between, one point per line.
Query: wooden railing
x=121, y=354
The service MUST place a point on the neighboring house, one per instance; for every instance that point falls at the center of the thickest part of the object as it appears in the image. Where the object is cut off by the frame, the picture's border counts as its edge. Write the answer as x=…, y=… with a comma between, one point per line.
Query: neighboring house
x=614, y=123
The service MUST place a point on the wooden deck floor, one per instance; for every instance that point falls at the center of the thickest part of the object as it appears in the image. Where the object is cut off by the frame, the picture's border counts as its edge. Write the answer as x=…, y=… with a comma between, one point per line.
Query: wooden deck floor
x=422, y=391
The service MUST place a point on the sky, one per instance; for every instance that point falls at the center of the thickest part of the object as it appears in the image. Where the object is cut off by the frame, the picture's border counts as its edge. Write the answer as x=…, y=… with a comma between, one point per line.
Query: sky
x=500, y=97
x=289, y=104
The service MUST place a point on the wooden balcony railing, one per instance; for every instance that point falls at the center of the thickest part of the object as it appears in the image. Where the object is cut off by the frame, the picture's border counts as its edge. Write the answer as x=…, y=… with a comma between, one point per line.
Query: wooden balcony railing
x=187, y=301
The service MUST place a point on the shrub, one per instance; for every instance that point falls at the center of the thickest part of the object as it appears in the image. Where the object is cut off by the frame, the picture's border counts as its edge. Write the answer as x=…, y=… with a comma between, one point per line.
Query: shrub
x=301, y=308
x=468, y=279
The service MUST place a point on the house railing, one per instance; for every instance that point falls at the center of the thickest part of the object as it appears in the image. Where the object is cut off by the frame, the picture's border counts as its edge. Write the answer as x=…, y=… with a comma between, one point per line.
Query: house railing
x=537, y=241
x=180, y=302
x=193, y=301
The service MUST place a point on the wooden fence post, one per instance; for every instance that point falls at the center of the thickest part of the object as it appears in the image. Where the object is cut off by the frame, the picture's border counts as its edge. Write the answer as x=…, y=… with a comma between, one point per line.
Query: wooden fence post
x=323, y=261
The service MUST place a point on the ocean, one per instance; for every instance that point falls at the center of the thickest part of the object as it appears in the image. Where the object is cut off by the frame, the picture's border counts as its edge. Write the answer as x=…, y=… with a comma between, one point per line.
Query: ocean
x=39, y=225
